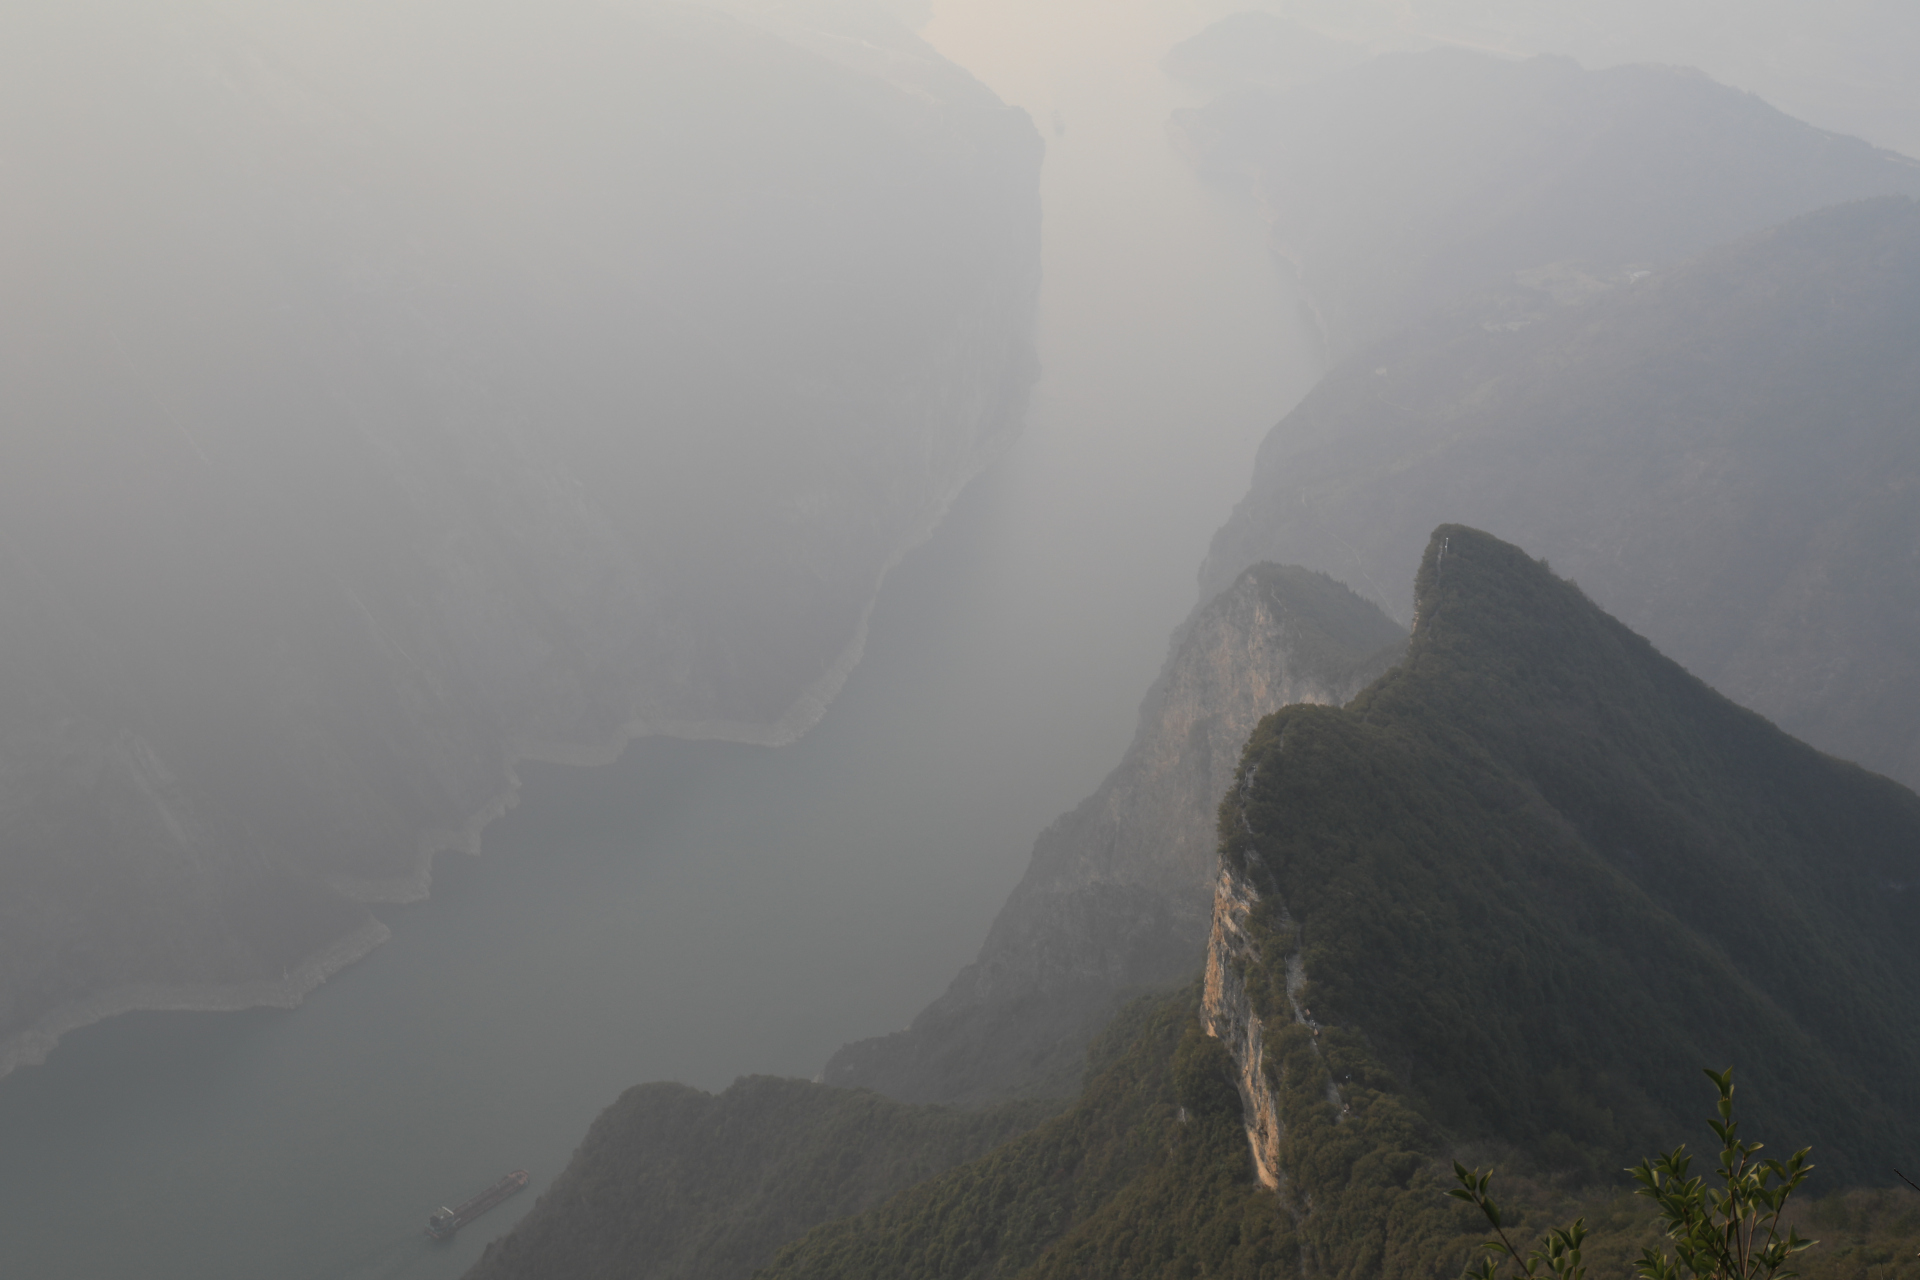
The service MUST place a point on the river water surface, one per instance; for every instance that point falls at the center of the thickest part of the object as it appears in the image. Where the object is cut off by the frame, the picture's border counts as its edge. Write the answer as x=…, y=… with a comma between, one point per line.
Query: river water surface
x=700, y=911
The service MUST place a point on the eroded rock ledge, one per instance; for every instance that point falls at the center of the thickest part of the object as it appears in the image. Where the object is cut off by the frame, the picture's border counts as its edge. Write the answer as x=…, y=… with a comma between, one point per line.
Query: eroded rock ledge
x=1228, y=1014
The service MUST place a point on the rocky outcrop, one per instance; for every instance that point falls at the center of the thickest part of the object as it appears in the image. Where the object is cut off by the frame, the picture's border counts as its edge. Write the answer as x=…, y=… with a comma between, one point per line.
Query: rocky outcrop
x=389, y=401
x=1227, y=1012
x=1248, y=947
x=1118, y=896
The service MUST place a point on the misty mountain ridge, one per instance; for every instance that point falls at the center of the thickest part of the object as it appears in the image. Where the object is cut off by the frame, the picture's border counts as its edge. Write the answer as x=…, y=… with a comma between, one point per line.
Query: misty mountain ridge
x=983, y=1037
x=1841, y=73
x=1535, y=803
x=1401, y=184
x=1722, y=454
x=1470, y=907
x=391, y=400
x=1257, y=48
x=1118, y=894
x=398, y=399
x=1837, y=247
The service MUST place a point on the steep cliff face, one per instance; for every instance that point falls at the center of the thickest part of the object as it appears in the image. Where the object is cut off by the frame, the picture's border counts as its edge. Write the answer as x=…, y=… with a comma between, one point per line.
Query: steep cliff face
x=1118, y=895
x=389, y=399
x=1506, y=900
x=1228, y=1014
x=1723, y=455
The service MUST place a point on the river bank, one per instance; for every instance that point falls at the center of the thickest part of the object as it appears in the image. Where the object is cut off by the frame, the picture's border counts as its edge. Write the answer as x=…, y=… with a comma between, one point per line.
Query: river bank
x=31, y=1046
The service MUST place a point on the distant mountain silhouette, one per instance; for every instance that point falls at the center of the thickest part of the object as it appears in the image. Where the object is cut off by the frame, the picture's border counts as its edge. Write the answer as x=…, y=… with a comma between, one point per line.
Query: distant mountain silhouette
x=1723, y=455
x=1509, y=899
x=1398, y=185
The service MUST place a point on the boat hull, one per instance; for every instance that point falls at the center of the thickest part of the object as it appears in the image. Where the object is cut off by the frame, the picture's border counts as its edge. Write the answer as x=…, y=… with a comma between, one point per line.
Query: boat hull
x=443, y=1225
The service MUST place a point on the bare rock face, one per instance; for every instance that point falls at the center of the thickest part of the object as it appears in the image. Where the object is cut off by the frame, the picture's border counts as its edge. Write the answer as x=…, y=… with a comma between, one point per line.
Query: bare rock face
x=1227, y=1012
x=1118, y=897
x=389, y=396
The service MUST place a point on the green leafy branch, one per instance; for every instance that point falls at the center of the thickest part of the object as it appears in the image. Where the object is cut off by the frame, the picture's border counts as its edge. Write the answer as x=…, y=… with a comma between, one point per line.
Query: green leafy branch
x=1725, y=1232
x=1559, y=1251
x=1730, y=1232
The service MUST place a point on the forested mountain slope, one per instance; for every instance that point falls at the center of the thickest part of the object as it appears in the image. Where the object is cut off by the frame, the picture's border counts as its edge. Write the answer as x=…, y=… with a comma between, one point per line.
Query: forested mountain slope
x=1505, y=902
x=674, y=1183
x=1119, y=893
x=1723, y=455
x=1540, y=874
x=1147, y=1174
x=1118, y=899
x=393, y=393
x=1398, y=185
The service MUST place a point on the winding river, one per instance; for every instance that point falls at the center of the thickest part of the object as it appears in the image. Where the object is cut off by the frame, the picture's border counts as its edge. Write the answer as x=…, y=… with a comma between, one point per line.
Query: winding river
x=700, y=911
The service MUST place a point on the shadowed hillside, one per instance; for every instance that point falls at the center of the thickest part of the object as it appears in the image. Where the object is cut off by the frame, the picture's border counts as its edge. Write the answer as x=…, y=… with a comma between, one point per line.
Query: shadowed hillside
x=1505, y=902
x=1539, y=874
x=1723, y=456
x=671, y=1182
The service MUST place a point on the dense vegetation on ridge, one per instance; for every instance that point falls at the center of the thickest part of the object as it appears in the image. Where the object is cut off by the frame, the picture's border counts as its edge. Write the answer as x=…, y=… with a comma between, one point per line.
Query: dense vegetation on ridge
x=1536, y=876
x=1544, y=874
x=1117, y=902
x=674, y=1182
x=1148, y=1174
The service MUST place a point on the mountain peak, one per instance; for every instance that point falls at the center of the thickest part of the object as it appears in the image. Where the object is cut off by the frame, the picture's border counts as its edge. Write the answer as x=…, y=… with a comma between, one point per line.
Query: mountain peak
x=1539, y=846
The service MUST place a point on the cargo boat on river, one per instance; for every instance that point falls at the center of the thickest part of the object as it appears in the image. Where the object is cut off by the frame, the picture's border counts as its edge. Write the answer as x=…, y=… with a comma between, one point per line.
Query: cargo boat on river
x=443, y=1224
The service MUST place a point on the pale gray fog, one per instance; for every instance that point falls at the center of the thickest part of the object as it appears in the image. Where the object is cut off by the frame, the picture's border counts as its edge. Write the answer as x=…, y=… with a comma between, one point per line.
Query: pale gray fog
x=705, y=910
x=545, y=547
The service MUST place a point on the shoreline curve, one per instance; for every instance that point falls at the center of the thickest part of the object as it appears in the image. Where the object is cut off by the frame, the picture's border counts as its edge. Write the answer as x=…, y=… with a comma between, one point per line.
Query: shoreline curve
x=32, y=1045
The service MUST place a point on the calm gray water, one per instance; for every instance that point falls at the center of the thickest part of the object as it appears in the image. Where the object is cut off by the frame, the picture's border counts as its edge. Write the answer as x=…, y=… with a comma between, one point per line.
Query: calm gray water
x=697, y=911
x=704, y=910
